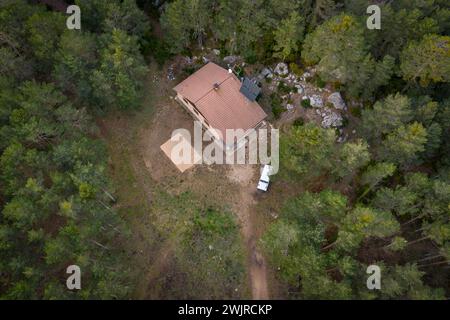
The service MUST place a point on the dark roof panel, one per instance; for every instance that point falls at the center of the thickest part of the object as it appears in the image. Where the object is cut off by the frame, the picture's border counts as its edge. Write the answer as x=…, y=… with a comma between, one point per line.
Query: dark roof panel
x=250, y=89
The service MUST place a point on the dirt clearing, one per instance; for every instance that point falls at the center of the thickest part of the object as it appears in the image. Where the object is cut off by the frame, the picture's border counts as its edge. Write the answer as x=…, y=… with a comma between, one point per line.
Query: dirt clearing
x=142, y=171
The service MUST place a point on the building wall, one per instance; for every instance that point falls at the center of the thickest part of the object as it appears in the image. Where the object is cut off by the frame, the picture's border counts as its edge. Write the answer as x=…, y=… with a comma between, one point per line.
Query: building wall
x=198, y=116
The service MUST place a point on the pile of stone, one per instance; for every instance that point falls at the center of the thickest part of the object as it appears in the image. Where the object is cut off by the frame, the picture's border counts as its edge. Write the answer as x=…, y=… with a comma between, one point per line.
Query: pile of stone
x=336, y=100
x=281, y=69
x=330, y=118
x=170, y=74
x=330, y=114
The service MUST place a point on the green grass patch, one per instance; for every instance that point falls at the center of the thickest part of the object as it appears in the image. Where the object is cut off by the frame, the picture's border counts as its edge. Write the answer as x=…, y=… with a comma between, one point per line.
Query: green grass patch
x=209, y=260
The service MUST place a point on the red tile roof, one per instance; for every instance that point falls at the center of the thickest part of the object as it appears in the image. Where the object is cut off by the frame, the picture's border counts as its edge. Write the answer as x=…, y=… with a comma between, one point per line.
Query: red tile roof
x=224, y=108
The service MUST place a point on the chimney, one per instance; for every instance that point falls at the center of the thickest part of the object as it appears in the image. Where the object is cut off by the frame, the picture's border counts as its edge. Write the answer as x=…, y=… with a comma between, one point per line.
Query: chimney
x=216, y=86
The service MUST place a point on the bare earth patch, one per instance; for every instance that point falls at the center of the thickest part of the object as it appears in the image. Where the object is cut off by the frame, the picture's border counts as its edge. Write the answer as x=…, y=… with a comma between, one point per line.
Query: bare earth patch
x=246, y=177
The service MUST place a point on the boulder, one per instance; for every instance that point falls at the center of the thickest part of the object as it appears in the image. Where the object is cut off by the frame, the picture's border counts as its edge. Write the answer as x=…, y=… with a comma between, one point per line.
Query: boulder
x=216, y=52
x=336, y=100
x=230, y=59
x=263, y=74
x=316, y=101
x=300, y=89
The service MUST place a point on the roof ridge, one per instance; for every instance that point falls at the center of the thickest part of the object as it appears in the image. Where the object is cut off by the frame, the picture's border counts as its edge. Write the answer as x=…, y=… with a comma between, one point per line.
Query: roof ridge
x=209, y=91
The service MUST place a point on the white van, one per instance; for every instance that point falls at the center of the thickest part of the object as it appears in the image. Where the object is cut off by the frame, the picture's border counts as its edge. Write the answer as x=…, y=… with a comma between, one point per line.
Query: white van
x=264, y=180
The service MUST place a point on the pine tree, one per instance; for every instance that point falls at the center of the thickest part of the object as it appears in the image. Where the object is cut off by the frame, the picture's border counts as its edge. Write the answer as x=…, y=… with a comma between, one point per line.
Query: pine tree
x=307, y=150
x=340, y=52
x=118, y=80
x=351, y=157
x=361, y=223
x=404, y=145
x=375, y=174
x=427, y=61
x=75, y=60
x=288, y=35
x=386, y=116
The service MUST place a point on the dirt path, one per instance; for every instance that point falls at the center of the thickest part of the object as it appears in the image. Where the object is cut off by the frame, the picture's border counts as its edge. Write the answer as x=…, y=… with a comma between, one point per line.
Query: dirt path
x=244, y=176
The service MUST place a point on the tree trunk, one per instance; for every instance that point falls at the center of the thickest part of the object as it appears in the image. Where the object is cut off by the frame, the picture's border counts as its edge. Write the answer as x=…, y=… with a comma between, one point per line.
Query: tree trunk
x=433, y=264
x=108, y=208
x=429, y=258
x=364, y=193
x=109, y=195
x=408, y=84
x=200, y=39
x=100, y=245
x=329, y=246
x=414, y=219
x=418, y=240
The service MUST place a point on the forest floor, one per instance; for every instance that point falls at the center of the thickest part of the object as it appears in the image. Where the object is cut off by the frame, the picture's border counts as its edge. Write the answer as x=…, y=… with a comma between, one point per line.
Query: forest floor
x=139, y=168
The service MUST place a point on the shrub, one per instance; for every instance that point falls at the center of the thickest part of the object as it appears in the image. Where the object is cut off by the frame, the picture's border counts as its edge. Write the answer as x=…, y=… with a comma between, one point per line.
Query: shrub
x=355, y=111
x=156, y=48
x=298, y=122
x=337, y=86
x=283, y=88
x=276, y=105
x=188, y=70
x=344, y=122
x=306, y=103
x=296, y=69
x=277, y=111
x=320, y=83
x=251, y=57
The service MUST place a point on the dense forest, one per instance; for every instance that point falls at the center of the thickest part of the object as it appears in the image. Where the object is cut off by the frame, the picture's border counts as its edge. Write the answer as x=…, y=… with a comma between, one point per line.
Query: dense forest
x=57, y=202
